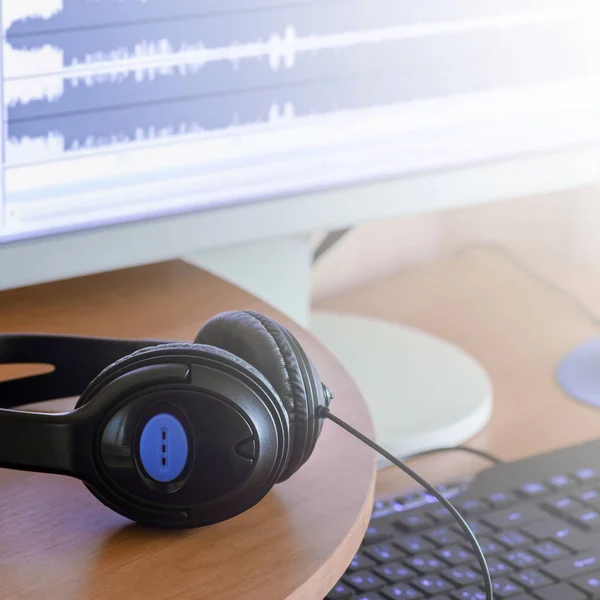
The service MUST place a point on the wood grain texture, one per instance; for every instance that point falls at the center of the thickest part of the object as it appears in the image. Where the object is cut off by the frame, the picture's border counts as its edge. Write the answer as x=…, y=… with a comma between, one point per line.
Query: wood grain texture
x=517, y=327
x=58, y=542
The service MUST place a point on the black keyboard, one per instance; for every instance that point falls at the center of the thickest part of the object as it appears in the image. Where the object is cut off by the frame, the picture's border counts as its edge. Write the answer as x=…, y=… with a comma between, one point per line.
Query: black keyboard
x=537, y=521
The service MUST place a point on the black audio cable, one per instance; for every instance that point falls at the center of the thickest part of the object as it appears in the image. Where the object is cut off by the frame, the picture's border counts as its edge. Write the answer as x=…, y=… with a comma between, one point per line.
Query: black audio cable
x=325, y=413
x=480, y=453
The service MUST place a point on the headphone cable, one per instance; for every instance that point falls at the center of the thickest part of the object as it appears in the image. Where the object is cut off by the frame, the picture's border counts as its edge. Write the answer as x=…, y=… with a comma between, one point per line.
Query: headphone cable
x=325, y=413
x=480, y=453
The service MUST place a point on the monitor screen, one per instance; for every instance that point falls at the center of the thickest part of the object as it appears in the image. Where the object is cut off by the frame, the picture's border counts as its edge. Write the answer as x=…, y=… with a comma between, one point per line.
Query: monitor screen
x=121, y=110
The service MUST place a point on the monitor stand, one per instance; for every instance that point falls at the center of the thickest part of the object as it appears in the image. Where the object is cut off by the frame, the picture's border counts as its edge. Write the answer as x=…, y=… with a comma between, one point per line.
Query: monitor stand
x=578, y=373
x=422, y=392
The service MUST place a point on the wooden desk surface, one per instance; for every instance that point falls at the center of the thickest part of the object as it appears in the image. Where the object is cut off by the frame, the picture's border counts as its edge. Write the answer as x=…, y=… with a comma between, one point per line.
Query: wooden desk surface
x=516, y=327
x=57, y=541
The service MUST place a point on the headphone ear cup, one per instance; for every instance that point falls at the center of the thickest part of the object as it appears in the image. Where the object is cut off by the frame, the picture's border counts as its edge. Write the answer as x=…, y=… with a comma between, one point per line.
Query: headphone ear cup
x=275, y=352
x=219, y=375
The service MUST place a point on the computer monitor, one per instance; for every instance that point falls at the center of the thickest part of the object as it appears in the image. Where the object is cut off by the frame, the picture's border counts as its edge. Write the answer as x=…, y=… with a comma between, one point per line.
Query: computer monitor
x=137, y=131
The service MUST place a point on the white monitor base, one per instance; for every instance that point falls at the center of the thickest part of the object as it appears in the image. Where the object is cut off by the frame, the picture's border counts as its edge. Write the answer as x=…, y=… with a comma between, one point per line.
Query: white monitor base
x=422, y=392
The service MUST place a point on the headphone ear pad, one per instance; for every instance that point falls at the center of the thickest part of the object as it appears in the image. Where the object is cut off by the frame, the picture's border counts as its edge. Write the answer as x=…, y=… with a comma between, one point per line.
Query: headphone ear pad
x=273, y=350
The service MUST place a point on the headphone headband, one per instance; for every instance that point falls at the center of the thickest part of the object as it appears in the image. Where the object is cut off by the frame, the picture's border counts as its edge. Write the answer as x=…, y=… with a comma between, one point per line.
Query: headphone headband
x=76, y=360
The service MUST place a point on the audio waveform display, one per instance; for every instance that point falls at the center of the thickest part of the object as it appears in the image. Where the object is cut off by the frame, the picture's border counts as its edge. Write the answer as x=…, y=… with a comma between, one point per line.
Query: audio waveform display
x=81, y=77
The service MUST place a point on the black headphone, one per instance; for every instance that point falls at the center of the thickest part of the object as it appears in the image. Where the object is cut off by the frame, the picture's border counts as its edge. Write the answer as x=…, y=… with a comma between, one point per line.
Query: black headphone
x=171, y=435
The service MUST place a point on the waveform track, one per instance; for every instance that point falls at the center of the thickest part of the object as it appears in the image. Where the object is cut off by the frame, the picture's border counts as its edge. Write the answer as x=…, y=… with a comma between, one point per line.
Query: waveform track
x=167, y=84
x=502, y=55
x=279, y=48
x=214, y=31
x=24, y=18
x=196, y=114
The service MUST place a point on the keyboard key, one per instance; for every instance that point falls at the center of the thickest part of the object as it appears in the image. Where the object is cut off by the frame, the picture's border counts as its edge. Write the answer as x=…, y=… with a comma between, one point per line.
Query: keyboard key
x=364, y=581
x=586, y=475
x=504, y=588
x=360, y=562
x=496, y=567
x=341, y=590
x=562, y=505
x=548, y=551
x=513, y=539
x=490, y=547
x=476, y=527
x=401, y=590
x=413, y=523
x=410, y=498
x=381, y=505
x=455, y=555
x=377, y=533
x=560, y=591
x=469, y=593
x=383, y=553
x=572, y=566
x=533, y=491
x=520, y=559
x=587, y=519
x=516, y=516
x=561, y=482
x=595, y=504
x=589, y=498
x=589, y=583
x=543, y=530
x=368, y=596
x=532, y=579
x=575, y=540
x=431, y=584
x=442, y=536
x=523, y=597
x=462, y=576
x=425, y=563
x=501, y=500
x=441, y=516
x=471, y=508
x=395, y=572
x=414, y=544
x=563, y=533
x=587, y=495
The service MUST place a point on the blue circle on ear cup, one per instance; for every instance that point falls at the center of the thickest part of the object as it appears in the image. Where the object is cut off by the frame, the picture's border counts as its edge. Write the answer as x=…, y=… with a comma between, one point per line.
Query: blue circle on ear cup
x=164, y=448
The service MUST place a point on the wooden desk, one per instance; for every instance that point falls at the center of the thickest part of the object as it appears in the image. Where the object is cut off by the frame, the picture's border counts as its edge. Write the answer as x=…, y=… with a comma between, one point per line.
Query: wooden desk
x=57, y=541
x=516, y=327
